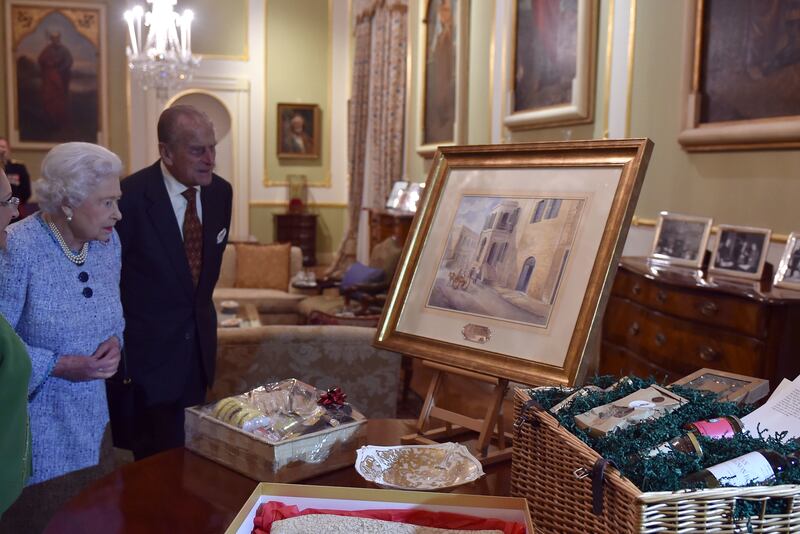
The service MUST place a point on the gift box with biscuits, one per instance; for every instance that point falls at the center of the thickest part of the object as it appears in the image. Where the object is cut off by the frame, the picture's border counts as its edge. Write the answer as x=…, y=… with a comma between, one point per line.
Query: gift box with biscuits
x=279, y=432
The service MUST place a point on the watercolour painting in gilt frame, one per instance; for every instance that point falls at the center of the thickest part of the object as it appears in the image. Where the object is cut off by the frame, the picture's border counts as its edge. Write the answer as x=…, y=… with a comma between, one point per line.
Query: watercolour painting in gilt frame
x=56, y=73
x=511, y=256
x=442, y=84
x=741, y=72
x=681, y=239
x=299, y=131
x=552, y=63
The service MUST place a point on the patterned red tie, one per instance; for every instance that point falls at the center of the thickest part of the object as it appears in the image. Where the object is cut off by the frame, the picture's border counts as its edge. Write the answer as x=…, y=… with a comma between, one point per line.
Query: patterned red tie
x=193, y=234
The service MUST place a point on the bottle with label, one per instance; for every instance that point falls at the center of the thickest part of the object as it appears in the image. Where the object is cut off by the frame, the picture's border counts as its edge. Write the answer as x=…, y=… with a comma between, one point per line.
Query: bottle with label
x=720, y=427
x=754, y=467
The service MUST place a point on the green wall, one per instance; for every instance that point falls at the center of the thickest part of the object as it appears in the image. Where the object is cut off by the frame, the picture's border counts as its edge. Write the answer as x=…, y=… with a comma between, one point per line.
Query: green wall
x=219, y=28
x=331, y=225
x=298, y=55
x=757, y=188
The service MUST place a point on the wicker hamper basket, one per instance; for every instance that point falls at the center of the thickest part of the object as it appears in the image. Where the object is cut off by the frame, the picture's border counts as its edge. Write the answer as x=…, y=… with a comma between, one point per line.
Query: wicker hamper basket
x=552, y=469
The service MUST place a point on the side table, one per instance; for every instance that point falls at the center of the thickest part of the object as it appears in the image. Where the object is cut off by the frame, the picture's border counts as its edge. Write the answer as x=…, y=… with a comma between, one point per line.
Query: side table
x=299, y=229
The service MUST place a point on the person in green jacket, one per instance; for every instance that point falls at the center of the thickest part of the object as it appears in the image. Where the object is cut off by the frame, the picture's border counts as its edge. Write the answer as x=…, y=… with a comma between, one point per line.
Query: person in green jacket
x=15, y=371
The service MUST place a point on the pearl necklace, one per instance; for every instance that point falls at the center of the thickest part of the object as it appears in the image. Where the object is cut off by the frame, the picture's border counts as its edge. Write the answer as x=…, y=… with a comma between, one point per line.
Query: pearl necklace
x=77, y=259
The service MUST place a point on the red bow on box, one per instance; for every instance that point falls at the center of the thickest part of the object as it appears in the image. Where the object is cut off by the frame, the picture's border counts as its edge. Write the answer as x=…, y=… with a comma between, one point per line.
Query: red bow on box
x=333, y=398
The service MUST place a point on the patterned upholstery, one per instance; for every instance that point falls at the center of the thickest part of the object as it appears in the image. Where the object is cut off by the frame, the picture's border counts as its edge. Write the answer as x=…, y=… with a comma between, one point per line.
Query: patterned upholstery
x=275, y=306
x=323, y=356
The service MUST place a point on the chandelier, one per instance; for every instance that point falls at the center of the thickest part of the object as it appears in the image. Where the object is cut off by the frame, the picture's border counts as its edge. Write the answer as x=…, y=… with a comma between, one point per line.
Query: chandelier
x=163, y=59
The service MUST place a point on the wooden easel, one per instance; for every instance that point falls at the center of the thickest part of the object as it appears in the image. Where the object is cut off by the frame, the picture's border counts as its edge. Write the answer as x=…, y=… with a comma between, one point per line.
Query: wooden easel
x=494, y=445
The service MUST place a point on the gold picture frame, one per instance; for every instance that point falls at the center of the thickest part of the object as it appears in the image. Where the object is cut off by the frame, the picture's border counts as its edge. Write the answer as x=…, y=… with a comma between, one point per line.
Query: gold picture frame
x=299, y=131
x=788, y=272
x=552, y=61
x=739, y=252
x=56, y=65
x=491, y=215
x=681, y=239
x=747, y=102
x=443, y=57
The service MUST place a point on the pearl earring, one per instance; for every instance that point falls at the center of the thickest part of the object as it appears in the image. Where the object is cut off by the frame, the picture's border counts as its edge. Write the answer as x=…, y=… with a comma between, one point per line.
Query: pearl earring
x=69, y=218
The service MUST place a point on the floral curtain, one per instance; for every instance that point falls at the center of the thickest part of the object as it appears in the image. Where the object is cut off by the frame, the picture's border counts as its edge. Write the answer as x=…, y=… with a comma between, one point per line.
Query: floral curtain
x=376, y=116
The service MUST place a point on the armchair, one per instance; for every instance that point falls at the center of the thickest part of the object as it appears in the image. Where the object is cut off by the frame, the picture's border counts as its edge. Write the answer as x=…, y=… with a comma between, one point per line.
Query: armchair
x=362, y=289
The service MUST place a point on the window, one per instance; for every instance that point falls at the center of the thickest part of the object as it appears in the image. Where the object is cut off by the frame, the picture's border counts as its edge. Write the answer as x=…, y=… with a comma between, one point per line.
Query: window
x=552, y=211
x=538, y=212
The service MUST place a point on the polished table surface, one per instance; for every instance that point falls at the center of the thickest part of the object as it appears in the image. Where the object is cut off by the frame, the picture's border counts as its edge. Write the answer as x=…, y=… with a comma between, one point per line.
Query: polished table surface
x=179, y=491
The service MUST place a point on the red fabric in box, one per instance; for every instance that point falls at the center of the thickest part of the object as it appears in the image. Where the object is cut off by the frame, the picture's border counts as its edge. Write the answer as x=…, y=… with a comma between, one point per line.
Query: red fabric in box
x=271, y=511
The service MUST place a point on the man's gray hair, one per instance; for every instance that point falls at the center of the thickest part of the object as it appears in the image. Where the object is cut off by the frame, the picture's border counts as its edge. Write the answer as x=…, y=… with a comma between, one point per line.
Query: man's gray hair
x=71, y=171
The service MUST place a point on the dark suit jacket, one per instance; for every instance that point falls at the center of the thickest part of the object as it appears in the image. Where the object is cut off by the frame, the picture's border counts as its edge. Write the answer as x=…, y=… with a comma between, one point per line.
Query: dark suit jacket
x=166, y=318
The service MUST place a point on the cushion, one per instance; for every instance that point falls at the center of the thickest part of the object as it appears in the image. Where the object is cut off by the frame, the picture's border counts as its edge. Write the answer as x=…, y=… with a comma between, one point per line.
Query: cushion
x=263, y=266
x=227, y=272
x=386, y=255
x=358, y=273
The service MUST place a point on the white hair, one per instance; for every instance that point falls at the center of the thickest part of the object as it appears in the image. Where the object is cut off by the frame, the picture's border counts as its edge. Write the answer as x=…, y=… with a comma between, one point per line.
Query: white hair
x=71, y=171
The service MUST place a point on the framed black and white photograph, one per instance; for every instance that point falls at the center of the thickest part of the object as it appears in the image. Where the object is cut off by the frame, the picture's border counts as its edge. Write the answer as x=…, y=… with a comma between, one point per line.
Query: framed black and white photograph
x=740, y=252
x=788, y=273
x=681, y=239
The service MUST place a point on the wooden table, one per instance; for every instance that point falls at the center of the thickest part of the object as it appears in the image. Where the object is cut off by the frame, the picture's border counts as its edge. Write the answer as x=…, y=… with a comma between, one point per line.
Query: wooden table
x=179, y=491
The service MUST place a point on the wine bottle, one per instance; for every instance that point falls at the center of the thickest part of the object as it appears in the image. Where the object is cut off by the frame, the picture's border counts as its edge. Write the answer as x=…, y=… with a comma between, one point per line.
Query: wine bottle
x=720, y=427
x=754, y=467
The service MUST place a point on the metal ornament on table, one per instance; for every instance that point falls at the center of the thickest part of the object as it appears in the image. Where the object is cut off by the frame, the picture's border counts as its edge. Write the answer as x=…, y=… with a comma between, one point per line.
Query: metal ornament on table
x=163, y=58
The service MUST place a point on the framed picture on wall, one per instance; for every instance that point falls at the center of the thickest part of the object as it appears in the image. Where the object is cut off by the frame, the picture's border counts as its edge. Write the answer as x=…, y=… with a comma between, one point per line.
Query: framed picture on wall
x=56, y=73
x=681, y=239
x=741, y=66
x=740, y=252
x=788, y=273
x=299, y=131
x=552, y=63
x=442, y=83
x=511, y=254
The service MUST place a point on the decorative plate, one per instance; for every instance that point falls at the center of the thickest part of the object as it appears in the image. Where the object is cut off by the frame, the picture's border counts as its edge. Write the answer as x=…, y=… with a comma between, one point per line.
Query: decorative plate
x=418, y=467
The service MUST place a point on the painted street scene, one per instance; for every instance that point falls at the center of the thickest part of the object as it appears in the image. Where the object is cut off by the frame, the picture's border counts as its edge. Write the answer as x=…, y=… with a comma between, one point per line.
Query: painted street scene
x=505, y=257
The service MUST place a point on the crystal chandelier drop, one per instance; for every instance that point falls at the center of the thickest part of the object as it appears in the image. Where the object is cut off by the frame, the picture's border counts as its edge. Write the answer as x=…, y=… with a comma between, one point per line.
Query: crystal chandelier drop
x=163, y=59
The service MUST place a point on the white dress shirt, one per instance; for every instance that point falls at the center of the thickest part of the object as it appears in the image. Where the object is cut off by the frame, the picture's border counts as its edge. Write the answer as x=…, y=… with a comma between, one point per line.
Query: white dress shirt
x=175, y=191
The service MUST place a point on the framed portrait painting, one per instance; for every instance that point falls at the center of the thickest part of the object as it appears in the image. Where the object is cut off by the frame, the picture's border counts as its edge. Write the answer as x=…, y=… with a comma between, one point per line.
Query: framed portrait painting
x=299, y=131
x=741, y=66
x=442, y=83
x=511, y=255
x=740, y=252
x=552, y=63
x=681, y=239
x=788, y=273
x=56, y=72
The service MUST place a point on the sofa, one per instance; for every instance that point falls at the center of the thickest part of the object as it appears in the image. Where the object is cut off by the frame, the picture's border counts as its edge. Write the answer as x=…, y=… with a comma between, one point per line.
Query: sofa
x=264, y=282
x=322, y=356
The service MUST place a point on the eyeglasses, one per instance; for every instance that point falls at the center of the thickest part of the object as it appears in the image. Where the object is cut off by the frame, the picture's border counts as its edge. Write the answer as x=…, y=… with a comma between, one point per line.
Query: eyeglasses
x=13, y=201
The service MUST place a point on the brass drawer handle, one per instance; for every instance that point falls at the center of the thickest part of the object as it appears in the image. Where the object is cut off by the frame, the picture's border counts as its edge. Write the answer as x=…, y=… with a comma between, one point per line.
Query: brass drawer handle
x=661, y=296
x=661, y=339
x=636, y=289
x=709, y=308
x=707, y=354
x=634, y=328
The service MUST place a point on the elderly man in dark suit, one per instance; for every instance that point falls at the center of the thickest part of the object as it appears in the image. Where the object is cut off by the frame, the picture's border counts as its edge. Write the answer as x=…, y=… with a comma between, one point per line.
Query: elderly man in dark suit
x=175, y=220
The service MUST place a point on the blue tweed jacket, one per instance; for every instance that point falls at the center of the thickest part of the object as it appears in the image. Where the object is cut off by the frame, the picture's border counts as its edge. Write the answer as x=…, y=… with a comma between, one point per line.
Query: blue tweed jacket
x=43, y=297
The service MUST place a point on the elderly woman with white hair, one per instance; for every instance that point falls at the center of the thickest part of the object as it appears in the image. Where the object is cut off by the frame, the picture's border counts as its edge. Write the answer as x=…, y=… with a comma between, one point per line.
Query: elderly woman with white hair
x=59, y=290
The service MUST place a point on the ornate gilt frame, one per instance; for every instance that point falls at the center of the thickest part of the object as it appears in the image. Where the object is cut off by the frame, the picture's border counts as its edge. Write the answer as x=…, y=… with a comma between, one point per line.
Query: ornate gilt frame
x=755, y=134
x=610, y=173
x=580, y=109
x=461, y=20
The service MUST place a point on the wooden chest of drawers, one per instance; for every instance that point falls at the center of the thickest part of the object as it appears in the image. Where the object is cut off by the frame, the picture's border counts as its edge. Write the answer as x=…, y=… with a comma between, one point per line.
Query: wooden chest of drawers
x=669, y=322
x=388, y=223
x=299, y=229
